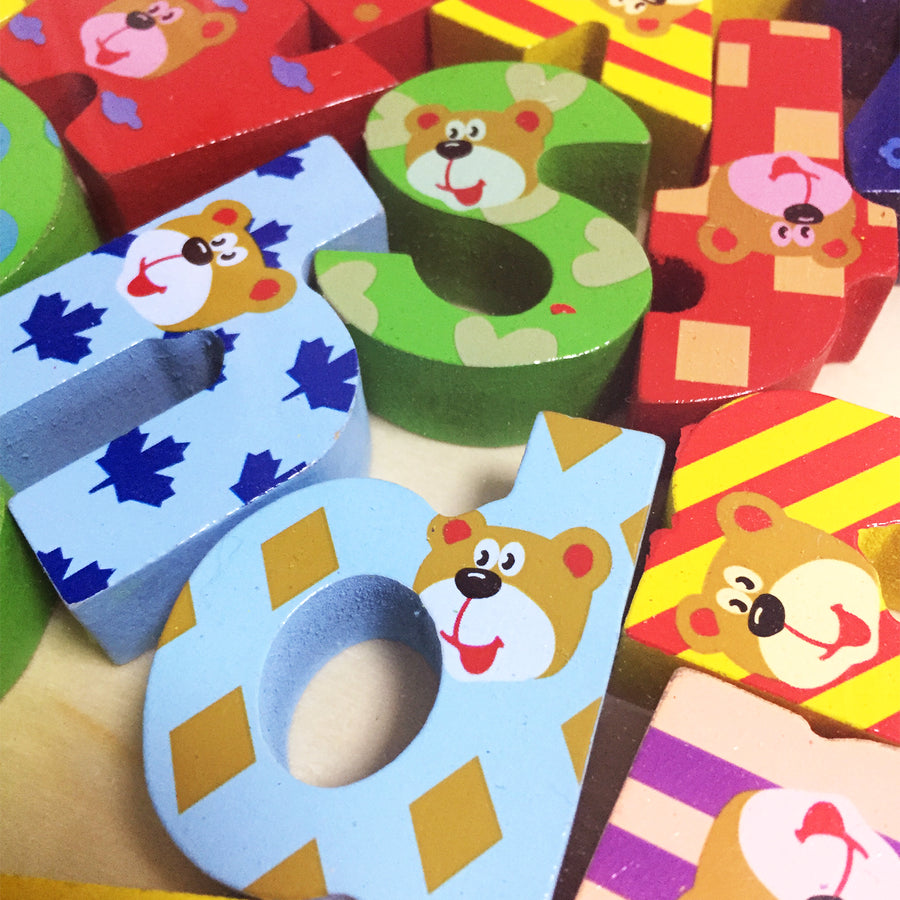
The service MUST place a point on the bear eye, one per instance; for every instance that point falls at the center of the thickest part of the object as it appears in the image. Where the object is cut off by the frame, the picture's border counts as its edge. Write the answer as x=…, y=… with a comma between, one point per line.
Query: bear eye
x=742, y=579
x=512, y=558
x=732, y=601
x=455, y=130
x=231, y=257
x=804, y=235
x=487, y=552
x=224, y=241
x=475, y=130
x=780, y=233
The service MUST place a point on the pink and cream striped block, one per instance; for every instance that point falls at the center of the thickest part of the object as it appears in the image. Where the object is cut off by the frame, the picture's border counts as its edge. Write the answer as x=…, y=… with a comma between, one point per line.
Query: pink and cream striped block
x=732, y=796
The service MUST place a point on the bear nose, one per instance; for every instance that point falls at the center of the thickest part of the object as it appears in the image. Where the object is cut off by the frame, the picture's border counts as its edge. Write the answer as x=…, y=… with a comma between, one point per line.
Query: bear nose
x=453, y=149
x=139, y=20
x=766, y=616
x=196, y=251
x=803, y=214
x=478, y=583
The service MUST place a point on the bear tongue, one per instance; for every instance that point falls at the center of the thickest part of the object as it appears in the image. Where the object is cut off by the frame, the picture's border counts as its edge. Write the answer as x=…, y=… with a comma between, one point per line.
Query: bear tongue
x=476, y=660
x=469, y=196
x=853, y=632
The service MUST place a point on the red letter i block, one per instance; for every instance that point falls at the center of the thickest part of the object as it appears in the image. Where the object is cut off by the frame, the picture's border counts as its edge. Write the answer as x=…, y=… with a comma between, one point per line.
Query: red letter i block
x=775, y=265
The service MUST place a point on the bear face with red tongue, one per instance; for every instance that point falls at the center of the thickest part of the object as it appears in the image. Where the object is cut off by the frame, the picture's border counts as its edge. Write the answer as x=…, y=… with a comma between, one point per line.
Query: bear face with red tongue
x=508, y=604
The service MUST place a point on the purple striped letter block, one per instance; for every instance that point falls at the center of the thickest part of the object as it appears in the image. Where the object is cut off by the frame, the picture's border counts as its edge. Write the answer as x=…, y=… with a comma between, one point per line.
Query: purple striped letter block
x=732, y=796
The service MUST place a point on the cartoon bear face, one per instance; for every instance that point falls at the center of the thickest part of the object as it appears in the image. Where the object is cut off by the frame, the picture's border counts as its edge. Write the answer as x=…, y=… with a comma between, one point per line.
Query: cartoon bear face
x=508, y=604
x=198, y=271
x=782, y=598
x=473, y=159
x=149, y=42
x=780, y=204
x=782, y=844
x=649, y=18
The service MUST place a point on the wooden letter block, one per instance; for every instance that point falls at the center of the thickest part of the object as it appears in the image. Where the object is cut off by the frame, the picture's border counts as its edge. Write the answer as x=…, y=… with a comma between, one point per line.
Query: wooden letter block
x=121, y=487
x=870, y=38
x=509, y=291
x=776, y=502
x=515, y=607
x=44, y=220
x=774, y=266
x=19, y=887
x=873, y=143
x=731, y=796
x=26, y=597
x=195, y=93
x=657, y=57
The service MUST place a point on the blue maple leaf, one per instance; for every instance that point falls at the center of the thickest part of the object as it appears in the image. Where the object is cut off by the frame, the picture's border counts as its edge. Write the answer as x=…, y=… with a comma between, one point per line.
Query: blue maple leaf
x=259, y=475
x=117, y=246
x=55, y=334
x=225, y=337
x=134, y=471
x=323, y=382
x=79, y=585
x=286, y=166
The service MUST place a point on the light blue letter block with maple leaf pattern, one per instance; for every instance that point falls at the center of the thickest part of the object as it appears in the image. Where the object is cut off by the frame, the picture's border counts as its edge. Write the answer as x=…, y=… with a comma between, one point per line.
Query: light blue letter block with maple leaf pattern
x=157, y=391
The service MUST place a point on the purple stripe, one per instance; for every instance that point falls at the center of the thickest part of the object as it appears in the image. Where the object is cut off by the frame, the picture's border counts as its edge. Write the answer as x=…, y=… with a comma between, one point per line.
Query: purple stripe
x=691, y=775
x=637, y=870
x=895, y=844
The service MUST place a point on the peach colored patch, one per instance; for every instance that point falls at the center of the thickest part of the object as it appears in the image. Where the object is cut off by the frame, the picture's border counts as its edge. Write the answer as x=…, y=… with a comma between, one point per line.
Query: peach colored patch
x=733, y=65
x=713, y=352
x=803, y=275
x=800, y=29
x=814, y=132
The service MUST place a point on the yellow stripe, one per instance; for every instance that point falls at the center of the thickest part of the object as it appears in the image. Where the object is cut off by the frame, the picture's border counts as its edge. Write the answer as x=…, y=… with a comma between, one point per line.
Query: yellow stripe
x=664, y=586
x=865, y=700
x=773, y=447
x=465, y=15
x=850, y=500
x=669, y=98
x=839, y=506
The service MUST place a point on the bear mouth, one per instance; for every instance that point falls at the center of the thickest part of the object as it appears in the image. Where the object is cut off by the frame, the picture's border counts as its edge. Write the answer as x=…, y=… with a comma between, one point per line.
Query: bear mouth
x=141, y=285
x=106, y=57
x=476, y=659
x=466, y=196
x=852, y=632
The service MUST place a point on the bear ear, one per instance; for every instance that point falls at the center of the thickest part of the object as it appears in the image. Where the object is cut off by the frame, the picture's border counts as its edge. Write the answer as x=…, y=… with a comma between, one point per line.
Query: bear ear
x=585, y=554
x=720, y=243
x=532, y=116
x=443, y=530
x=272, y=290
x=228, y=214
x=217, y=28
x=698, y=624
x=744, y=511
x=838, y=252
x=424, y=117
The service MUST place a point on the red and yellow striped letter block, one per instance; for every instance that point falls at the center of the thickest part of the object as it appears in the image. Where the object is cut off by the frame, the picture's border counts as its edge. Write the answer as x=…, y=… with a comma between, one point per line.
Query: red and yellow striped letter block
x=730, y=797
x=657, y=57
x=780, y=568
x=775, y=265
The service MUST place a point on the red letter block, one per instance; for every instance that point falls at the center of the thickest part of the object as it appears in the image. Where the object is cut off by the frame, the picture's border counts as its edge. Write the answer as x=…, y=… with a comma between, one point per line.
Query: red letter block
x=774, y=266
x=164, y=104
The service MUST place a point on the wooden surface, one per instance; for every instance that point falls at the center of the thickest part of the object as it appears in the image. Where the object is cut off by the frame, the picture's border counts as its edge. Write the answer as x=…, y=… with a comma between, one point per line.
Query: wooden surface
x=73, y=803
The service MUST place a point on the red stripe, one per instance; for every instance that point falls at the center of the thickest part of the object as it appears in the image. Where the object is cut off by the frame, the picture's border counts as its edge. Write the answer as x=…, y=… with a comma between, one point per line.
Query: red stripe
x=888, y=648
x=524, y=15
x=888, y=728
x=786, y=484
x=659, y=631
x=697, y=20
x=646, y=65
x=758, y=412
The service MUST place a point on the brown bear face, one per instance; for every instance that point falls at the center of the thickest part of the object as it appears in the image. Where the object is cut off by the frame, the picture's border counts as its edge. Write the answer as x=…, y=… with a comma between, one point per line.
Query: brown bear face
x=508, y=604
x=780, y=204
x=198, y=271
x=474, y=159
x=649, y=18
x=782, y=598
x=781, y=844
x=147, y=42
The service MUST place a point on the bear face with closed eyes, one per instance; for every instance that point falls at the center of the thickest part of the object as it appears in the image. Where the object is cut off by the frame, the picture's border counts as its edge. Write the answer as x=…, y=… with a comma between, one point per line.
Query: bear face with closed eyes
x=200, y=270
x=508, y=604
x=782, y=598
x=649, y=18
x=127, y=39
x=475, y=159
